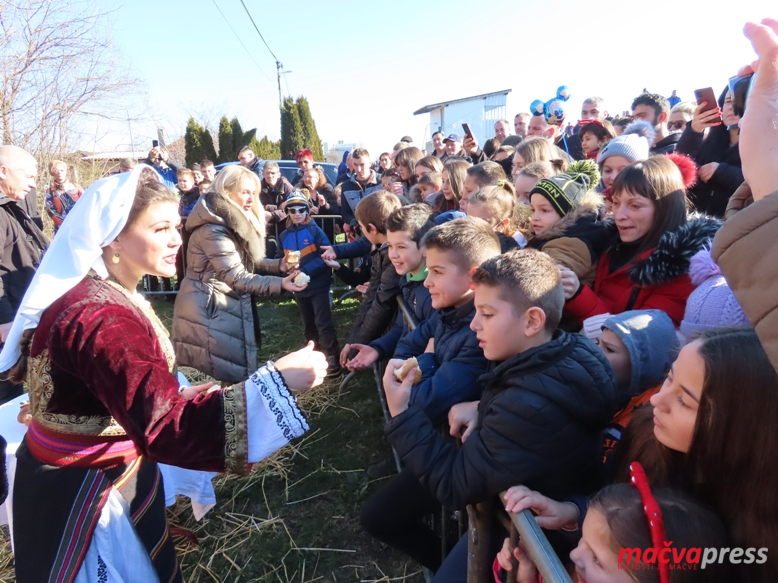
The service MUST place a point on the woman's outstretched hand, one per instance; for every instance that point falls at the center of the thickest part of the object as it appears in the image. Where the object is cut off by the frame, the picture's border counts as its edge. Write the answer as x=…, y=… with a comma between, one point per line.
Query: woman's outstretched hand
x=759, y=124
x=289, y=285
x=303, y=369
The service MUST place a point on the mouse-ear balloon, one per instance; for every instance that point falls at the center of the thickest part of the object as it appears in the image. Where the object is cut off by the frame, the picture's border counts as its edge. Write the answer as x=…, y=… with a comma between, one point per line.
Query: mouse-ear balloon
x=536, y=107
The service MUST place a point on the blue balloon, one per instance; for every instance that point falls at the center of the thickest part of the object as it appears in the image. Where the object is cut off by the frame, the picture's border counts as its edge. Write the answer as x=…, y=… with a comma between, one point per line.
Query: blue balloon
x=536, y=107
x=563, y=92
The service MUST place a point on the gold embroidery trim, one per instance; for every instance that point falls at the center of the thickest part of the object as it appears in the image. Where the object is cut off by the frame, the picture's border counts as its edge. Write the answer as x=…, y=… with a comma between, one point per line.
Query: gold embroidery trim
x=41, y=391
x=235, y=429
x=42, y=386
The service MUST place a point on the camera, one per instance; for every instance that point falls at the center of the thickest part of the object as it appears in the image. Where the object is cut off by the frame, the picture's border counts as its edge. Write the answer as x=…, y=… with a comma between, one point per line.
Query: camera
x=740, y=87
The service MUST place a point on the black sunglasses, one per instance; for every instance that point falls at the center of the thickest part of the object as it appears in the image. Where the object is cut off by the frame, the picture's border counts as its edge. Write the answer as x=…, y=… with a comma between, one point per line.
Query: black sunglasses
x=296, y=211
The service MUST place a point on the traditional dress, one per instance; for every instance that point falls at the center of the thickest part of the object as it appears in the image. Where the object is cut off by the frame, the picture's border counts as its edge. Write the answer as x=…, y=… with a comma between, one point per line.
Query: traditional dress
x=88, y=503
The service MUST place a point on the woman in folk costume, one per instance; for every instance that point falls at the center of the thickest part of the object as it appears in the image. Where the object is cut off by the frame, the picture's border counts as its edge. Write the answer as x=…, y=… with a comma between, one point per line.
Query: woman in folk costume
x=105, y=403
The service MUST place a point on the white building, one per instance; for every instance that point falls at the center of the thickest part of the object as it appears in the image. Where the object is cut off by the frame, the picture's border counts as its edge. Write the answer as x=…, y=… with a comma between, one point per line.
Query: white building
x=480, y=112
x=334, y=153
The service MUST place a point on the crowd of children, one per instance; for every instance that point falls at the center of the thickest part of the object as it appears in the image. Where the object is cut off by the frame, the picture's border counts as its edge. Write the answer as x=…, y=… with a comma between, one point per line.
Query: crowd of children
x=575, y=334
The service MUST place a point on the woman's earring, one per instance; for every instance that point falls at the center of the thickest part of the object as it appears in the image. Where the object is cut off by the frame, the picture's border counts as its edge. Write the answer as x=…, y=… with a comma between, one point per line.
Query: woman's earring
x=115, y=258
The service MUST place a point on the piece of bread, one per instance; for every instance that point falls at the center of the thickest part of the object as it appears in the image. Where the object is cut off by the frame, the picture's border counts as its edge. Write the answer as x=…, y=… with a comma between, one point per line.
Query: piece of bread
x=301, y=279
x=293, y=258
x=400, y=373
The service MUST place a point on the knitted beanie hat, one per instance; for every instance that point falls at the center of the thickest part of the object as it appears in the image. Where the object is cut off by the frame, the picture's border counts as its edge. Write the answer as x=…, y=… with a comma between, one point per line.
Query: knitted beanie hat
x=297, y=198
x=633, y=144
x=712, y=304
x=566, y=191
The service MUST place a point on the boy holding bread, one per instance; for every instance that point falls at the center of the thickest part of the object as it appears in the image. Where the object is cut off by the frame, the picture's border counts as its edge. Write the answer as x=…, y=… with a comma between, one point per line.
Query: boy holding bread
x=444, y=346
x=300, y=246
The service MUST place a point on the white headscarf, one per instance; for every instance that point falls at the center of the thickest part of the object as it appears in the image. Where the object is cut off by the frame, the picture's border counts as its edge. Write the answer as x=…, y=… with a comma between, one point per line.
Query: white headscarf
x=96, y=220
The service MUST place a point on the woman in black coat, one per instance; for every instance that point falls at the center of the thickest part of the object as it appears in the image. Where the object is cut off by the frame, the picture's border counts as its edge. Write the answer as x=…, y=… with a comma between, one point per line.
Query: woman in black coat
x=717, y=154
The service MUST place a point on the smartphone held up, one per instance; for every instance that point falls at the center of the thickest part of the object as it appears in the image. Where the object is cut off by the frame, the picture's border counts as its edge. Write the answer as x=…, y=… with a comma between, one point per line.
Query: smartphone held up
x=706, y=94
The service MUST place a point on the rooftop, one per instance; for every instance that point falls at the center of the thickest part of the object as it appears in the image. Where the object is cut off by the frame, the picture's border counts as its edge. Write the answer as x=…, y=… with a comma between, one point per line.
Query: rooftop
x=429, y=108
x=116, y=155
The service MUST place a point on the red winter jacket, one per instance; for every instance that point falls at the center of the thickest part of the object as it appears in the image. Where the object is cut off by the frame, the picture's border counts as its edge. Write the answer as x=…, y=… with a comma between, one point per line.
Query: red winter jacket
x=657, y=279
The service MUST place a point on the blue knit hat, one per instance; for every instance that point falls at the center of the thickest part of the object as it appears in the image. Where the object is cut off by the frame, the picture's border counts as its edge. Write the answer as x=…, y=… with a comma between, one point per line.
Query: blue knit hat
x=651, y=342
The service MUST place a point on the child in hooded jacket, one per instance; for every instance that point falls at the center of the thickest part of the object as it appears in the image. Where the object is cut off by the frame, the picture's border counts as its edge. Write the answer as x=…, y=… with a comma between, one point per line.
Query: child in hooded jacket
x=641, y=346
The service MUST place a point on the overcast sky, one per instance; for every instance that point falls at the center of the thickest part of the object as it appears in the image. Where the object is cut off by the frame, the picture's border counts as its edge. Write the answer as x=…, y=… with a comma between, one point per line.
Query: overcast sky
x=366, y=66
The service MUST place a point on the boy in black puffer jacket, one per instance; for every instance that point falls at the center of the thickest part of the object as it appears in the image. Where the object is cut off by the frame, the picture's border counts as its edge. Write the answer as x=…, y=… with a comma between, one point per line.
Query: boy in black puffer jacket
x=450, y=361
x=543, y=407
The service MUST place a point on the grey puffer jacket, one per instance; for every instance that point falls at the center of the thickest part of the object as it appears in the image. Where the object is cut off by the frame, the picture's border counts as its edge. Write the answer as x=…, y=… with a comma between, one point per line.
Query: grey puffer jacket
x=214, y=327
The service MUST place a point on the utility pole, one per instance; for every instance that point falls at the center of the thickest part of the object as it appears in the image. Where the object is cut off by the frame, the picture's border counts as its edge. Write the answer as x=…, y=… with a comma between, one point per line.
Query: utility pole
x=129, y=125
x=279, y=66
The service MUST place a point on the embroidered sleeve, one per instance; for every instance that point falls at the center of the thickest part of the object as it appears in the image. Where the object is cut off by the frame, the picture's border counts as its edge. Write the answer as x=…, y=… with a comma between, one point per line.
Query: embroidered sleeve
x=235, y=432
x=273, y=416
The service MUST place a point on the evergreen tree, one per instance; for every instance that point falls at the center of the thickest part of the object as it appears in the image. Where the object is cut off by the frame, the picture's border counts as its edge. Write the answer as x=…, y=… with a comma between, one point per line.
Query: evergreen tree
x=310, y=135
x=193, y=142
x=227, y=151
x=292, y=138
x=266, y=149
x=239, y=137
x=208, y=148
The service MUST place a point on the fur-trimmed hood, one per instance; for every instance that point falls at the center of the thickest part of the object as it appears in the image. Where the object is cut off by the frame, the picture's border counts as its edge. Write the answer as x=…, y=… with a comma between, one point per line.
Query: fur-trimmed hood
x=212, y=209
x=588, y=207
x=673, y=253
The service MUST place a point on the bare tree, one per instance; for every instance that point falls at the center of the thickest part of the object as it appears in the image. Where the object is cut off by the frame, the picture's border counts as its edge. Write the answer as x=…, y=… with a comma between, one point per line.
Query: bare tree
x=58, y=74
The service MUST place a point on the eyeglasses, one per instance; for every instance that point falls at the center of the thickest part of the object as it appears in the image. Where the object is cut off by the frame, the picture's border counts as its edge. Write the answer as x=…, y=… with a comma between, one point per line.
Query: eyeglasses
x=297, y=211
x=676, y=125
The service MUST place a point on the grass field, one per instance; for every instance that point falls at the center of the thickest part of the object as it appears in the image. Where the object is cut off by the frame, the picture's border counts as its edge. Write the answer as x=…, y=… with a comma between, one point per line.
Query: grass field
x=295, y=518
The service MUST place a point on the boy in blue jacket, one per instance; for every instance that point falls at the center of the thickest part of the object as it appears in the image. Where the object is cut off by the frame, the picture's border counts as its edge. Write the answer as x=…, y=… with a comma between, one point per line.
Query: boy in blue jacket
x=405, y=229
x=445, y=347
x=303, y=236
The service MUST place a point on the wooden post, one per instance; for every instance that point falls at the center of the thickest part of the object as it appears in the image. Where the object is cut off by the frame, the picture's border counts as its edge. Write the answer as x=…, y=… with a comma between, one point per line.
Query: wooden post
x=480, y=547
